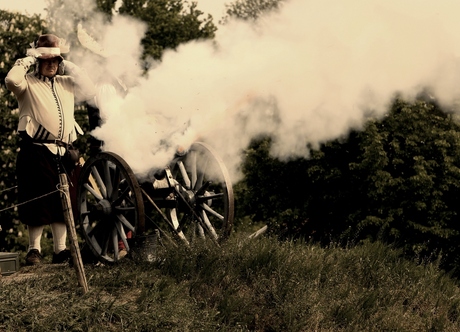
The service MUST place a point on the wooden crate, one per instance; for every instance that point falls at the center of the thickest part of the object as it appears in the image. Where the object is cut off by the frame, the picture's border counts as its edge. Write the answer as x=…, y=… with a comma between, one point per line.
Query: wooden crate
x=9, y=263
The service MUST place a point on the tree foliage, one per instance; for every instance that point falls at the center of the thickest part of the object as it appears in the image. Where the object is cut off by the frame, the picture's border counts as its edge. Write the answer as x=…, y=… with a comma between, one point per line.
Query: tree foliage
x=170, y=23
x=409, y=170
x=16, y=32
x=106, y=6
x=250, y=10
x=397, y=180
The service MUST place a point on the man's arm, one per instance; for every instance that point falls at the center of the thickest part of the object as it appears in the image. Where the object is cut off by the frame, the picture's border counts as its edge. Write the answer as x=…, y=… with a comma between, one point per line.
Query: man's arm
x=15, y=80
x=85, y=88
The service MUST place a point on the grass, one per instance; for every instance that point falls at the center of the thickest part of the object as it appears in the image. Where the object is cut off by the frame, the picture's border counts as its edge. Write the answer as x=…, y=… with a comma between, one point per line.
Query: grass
x=256, y=285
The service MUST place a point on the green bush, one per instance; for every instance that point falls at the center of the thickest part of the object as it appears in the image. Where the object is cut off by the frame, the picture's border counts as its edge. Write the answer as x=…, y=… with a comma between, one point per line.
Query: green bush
x=397, y=180
x=16, y=32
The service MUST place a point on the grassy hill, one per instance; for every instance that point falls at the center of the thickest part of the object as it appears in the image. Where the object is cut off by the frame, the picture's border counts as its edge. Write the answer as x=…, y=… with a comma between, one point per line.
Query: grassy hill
x=246, y=285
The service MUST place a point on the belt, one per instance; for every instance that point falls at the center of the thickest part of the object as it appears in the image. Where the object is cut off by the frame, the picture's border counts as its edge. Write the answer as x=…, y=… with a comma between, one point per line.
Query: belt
x=53, y=141
x=27, y=139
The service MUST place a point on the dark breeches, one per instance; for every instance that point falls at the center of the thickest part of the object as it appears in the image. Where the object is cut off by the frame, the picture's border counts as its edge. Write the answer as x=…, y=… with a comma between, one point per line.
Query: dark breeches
x=38, y=176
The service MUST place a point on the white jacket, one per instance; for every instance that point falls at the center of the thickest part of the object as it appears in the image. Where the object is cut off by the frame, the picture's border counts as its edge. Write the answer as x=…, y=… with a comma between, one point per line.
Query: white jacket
x=46, y=106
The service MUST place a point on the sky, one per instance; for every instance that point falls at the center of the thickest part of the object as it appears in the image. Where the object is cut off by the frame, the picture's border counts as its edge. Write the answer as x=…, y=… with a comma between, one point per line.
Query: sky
x=214, y=7
x=307, y=74
x=24, y=6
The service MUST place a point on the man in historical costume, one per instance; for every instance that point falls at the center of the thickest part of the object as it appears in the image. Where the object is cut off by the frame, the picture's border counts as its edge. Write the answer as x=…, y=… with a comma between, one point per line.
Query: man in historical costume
x=47, y=129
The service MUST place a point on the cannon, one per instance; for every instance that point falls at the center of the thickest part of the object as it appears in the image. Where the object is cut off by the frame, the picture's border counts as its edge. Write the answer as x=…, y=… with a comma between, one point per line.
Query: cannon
x=190, y=199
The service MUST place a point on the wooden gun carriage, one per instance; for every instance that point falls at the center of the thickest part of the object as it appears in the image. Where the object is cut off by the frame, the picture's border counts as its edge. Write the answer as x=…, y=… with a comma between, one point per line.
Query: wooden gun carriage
x=190, y=199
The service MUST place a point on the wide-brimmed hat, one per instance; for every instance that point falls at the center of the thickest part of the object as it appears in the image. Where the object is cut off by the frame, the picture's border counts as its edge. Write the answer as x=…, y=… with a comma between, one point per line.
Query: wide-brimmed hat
x=48, y=46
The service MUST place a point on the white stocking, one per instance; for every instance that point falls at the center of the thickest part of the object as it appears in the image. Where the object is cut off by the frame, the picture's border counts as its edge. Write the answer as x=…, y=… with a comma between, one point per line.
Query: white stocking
x=59, y=231
x=35, y=235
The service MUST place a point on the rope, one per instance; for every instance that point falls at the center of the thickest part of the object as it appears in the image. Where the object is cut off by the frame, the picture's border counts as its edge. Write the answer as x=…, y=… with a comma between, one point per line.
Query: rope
x=33, y=199
x=7, y=189
x=59, y=186
x=30, y=200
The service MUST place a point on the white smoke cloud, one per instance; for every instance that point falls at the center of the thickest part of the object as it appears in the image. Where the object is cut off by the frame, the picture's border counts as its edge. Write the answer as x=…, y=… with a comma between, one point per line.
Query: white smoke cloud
x=216, y=8
x=307, y=74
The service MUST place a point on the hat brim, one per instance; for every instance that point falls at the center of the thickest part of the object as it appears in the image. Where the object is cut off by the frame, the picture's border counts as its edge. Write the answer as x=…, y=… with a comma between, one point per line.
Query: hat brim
x=50, y=56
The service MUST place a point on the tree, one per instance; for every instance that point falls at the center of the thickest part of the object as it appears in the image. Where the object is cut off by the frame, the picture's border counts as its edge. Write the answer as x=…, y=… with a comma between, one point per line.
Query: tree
x=16, y=32
x=250, y=9
x=169, y=22
x=397, y=180
x=106, y=6
x=409, y=167
x=308, y=198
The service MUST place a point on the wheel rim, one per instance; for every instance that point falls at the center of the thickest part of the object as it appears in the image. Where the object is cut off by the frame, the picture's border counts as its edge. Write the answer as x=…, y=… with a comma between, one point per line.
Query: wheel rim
x=111, y=210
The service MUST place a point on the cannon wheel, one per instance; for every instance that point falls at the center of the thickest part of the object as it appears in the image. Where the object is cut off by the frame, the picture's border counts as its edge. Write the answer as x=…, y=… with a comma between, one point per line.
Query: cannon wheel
x=204, y=196
x=110, y=206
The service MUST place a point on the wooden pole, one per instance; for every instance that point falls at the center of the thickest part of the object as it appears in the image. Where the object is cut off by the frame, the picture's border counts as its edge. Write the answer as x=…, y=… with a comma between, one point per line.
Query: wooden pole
x=259, y=232
x=68, y=217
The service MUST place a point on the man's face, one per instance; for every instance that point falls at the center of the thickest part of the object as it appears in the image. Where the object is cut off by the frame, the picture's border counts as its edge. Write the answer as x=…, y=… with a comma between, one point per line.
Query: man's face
x=49, y=67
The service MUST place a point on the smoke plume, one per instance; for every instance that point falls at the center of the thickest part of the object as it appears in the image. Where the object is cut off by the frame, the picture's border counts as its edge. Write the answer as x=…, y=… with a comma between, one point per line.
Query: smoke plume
x=306, y=74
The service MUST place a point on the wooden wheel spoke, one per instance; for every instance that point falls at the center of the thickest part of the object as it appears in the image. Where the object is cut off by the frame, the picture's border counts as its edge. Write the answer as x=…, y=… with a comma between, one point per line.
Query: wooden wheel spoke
x=121, y=218
x=203, y=169
x=123, y=201
x=193, y=169
x=99, y=184
x=203, y=198
x=122, y=209
x=108, y=180
x=122, y=234
x=116, y=180
x=88, y=211
x=209, y=226
x=216, y=214
x=105, y=242
x=114, y=238
x=199, y=181
x=95, y=193
x=99, y=228
x=183, y=172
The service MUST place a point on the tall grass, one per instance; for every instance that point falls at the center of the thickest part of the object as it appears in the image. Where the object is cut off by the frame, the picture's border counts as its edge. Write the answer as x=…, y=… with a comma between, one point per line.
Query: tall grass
x=256, y=285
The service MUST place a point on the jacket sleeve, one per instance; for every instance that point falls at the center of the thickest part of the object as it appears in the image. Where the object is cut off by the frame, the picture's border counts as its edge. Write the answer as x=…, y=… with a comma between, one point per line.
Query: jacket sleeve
x=85, y=88
x=15, y=80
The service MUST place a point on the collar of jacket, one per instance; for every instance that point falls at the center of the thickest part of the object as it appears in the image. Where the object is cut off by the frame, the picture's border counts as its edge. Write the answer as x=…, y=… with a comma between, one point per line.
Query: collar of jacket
x=44, y=78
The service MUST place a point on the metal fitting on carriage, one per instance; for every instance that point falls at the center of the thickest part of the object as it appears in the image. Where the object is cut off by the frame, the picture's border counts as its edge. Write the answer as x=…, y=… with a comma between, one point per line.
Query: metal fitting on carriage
x=160, y=183
x=180, y=152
